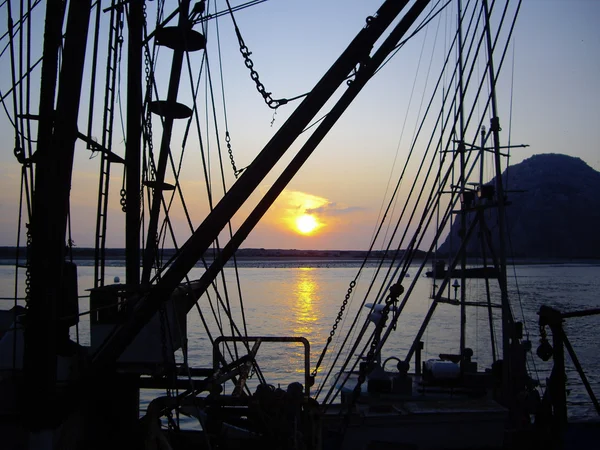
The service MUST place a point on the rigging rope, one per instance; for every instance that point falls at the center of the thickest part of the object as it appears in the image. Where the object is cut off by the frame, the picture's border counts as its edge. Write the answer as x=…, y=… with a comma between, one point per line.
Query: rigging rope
x=177, y=171
x=414, y=244
x=236, y=172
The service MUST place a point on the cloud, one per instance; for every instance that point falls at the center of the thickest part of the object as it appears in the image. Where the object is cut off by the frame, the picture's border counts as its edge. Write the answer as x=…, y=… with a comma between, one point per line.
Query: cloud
x=333, y=209
x=300, y=202
x=329, y=215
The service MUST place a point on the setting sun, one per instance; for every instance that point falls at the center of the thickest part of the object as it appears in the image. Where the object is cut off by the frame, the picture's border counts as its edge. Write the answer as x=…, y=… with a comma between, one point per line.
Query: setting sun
x=306, y=224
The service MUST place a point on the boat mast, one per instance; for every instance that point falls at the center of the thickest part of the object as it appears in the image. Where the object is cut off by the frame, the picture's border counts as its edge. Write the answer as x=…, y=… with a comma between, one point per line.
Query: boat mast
x=495, y=129
x=159, y=186
x=133, y=147
x=463, y=185
x=483, y=230
x=39, y=355
x=54, y=163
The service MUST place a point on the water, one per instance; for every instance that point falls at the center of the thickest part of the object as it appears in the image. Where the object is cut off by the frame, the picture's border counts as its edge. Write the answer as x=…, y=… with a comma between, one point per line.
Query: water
x=303, y=298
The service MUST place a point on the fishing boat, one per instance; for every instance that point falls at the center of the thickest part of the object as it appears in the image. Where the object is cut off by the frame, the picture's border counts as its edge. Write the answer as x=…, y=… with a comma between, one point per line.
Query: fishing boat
x=102, y=62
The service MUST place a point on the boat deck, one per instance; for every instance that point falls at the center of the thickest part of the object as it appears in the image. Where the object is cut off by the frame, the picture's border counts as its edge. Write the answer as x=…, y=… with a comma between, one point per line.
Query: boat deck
x=448, y=415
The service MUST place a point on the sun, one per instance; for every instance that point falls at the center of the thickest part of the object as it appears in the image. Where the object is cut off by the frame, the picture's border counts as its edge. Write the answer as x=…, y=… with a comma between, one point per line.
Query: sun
x=306, y=224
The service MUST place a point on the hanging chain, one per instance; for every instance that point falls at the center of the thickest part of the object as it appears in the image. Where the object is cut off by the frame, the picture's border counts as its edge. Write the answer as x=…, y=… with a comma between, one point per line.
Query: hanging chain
x=271, y=103
x=334, y=327
x=118, y=49
x=157, y=256
x=123, y=201
x=28, y=267
x=245, y=51
x=236, y=172
x=148, y=121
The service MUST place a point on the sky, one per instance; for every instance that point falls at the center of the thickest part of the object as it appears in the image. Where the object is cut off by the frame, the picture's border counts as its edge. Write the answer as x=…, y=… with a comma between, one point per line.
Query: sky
x=548, y=98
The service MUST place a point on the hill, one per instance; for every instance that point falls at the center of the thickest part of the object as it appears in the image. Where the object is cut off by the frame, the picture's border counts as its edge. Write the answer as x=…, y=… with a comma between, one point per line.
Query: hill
x=554, y=210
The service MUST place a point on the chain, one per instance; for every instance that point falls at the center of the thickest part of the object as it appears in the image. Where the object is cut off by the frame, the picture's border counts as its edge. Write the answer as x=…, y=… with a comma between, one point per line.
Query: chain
x=236, y=172
x=148, y=121
x=149, y=76
x=123, y=201
x=334, y=327
x=28, y=268
x=157, y=256
x=271, y=103
x=169, y=372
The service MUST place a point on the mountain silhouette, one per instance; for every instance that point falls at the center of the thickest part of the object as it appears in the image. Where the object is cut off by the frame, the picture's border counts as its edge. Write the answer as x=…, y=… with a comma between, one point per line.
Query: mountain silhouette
x=553, y=211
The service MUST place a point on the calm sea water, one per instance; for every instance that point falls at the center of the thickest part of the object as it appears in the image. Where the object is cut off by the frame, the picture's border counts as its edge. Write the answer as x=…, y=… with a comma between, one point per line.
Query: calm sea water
x=303, y=298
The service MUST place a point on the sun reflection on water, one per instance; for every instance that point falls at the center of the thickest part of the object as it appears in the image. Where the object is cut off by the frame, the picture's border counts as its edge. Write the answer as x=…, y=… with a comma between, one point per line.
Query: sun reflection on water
x=305, y=310
x=306, y=302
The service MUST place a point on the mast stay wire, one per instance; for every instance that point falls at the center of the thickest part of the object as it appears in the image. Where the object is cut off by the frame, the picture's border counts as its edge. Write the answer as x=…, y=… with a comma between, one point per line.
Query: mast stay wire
x=330, y=395
x=223, y=182
x=209, y=81
x=415, y=131
x=22, y=138
x=176, y=171
x=351, y=76
x=13, y=73
x=95, y=45
x=220, y=302
x=379, y=266
x=380, y=295
x=153, y=86
x=209, y=84
x=426, y=20
x=505, y=51
x=358, y=313
x=479, y=126
x=168, y=225
x=432, y=212
x=408, y=107
x=17, y=25
x=407, y=260
x=236, y=171
x=373, y=241
x=394, y=195
x=22, y=108
x=218, y=14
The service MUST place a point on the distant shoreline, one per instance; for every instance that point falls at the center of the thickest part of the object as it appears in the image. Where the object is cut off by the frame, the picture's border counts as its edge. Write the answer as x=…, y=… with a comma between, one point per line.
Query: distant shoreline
x=246, y=253
x=8, y=255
